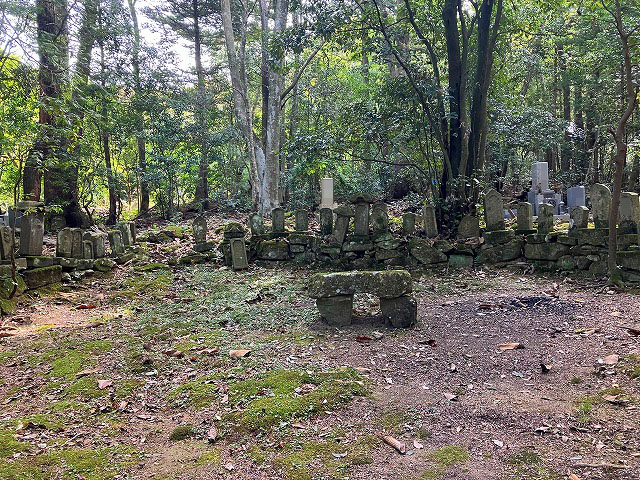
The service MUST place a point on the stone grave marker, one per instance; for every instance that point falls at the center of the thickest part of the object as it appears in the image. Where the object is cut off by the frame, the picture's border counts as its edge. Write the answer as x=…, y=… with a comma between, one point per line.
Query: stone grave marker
x=302, y=220
x=31, y=234
x=429, y=221
x=277, y=220
x=525, y=216
x=115, y=240
x=199, y=226
x=326, y=221
x=409, y=223
x=493, y=211
x=629, y=213
x=326, y=193
x=469, y=227
x=579, y=217
x=256, y=224
x=361, y=202
x=576, y=197
x=380, y=218
x=239, y=254
x=600, y=205
x=545, y=218
x=87, y=250
x=77, y=250
x=343, y=217
x=98, y=241
x=6, y=242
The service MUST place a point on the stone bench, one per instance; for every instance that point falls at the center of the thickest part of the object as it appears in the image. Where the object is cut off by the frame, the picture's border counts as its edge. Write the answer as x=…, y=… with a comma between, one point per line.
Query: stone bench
x=334, y=295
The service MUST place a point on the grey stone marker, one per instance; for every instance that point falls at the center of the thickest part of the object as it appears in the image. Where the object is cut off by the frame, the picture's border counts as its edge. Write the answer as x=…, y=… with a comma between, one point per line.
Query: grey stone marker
x=277, y=220
x=545, y=218
x=115, y=240
x=336, y=311
x=326, y=221
x=97, y=242
x=409, y=223
x=579, y=217
x=31, y=234
x=343, y=217
x=127, y=234
x=469, y=227
x=493, y=211
x=540, y=176
x=361, y=219
x=302, y=220
x=199, y=226
x=629, y=213
x=87, y=250
x=576, y=197
x=429, y=221
x=525, y=216
x=239, y=254
x=600, y=205
x=64, y=243
x=379, y=218
x=326, y=189
x=6, y=242
x=77, y=250
x=256, y=224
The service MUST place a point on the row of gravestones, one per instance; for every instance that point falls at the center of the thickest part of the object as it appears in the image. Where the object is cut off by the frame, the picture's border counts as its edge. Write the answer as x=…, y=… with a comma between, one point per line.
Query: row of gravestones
x=83, y=244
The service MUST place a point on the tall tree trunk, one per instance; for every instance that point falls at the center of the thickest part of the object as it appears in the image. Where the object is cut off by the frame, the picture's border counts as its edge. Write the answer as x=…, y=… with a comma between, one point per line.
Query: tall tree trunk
x=140, y=138
x=565, y=157
x=202, y=189
x=450, y=19
x=111, y=188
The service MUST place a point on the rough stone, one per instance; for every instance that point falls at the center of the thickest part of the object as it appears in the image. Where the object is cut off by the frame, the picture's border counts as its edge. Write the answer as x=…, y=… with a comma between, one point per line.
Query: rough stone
x=337, y=310
x=498, y=237
x=409, y=223
x=567, y=240
x=199, y=227
x=567, y=263
x=380, y=219
x=204, y=247
x=31, y=234
x=40, y=262
x=425, y=253
x=500, y=253
x=6, y=242
x=629, y=259
x=302, y=220
x=233, y=230
x=599, y=268
x=103, y=265
x=469, y=227
x=399, y=312
x=592, y=236
x=545, y=218
x=256, y=224
x=545, y=251
x=326, y=221
x=579, y=217
x=429, y=222
x=493, y=211
x=384, y=284
x=277, y=220
x=273, y=250
x=239, y=254
x=583, y=263
x=115, y=241
x=600, y=205
x=457, y=260
x=361, y=219
x=357, y=244
x=629, y=213
x=525, y=216
x=41, y=277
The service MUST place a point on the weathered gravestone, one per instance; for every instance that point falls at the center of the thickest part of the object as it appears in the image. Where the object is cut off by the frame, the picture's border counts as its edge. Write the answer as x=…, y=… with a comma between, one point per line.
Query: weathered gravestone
x=77, y=250
x=115, y=241
x=429, y=221
x=326, y=193
x=579, y=217
x=239, y=254
x=379, y=218
x=361, y=203
x=469, y=227
x=31, y=234
x=343, y=217
x=87, y=250
x=629, y=213
x=64, y=243
x=409, y=223
x=302, y=220
x=6, y=242
x=199, y=226
x=525, y=217
x=545, y=218
x=256, y=224
x=97, y=242
x=600, y=205
x=493, y=211
x=326, y=221
x=277, y=220
x=576, y=197
x=127, y=229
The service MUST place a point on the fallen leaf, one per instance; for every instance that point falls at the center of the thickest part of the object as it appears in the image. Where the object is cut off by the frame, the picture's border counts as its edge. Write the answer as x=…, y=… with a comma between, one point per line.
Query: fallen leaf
x=573, y=476
x=616, y=314
x=397, y=444
x=510, y=346
x=363, y=370
x=229, y=467
x=212, y=434
x=172, y=352
x=363, y=339
x=610, y=359
x=498, y=443
x=298, y=426
x=378, y=335
x=102, y=384
x=86, y=372
x=453, y=367
x=239, y=353
x=451, y=397
x=417, y=445
x=632, y=330
x=340, y=455
x=86, y=307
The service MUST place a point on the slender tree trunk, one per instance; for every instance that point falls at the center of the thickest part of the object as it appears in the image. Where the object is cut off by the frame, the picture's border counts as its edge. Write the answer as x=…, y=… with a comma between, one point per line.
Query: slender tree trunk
x=140, y=137
x=202, y=189
x=450, y=19
x=113, y=214
x=565, y=158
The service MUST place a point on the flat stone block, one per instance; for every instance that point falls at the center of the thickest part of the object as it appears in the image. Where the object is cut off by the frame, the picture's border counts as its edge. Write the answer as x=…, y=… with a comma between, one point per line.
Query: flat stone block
x=40, y=262
x=460, y=260
x=204, y=246
x=41, y=277
x=273, y=250
x=425, y=253
x=545, y=251
x=399, y=312
x=384, y=284
x=498, y=237
x=592, y=236
x=336, y=311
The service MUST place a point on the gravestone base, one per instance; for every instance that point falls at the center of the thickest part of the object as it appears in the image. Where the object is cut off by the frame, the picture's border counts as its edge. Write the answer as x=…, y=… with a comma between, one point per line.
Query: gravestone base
x=399, y=312
x=204, y=246
x=336, y=311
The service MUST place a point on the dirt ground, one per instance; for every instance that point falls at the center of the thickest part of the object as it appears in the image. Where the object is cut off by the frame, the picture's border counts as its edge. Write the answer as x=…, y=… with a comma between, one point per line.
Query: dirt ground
x=130, y=375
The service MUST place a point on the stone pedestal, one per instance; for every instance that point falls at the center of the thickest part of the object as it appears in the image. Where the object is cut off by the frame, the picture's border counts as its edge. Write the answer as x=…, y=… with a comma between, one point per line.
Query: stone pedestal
x=326, y=193
x=429, y=221
x=399, y=312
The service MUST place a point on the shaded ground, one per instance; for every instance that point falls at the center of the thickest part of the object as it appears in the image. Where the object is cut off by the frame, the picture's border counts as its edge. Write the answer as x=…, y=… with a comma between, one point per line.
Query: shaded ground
x=133, y=383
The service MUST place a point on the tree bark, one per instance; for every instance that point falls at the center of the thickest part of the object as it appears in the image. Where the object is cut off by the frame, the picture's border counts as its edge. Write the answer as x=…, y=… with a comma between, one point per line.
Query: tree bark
x=565, y=156
x=450, y=20
x=202, y=188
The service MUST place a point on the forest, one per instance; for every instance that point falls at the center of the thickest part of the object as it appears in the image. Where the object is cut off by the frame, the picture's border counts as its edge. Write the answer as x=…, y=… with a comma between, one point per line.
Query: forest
x=417, y=99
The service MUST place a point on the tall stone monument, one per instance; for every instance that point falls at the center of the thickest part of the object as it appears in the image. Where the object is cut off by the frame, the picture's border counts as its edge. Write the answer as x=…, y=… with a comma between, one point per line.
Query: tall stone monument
x=326, y=193
x=493, y=211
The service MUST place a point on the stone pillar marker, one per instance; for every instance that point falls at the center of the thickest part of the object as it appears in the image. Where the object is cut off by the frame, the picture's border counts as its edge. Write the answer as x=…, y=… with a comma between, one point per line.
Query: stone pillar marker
x=343, y=217
x=600, y=205
x=97, y=240
x=525, y=216
x=277, y=220
x=540, y=176
x=127, y=234
x=31, y=228
x=199, y=226
x=380, y=218
x=545, y=218
x=429, y=221
x=629, y=213
x=579, y=217
x=576, y=197
x=239, y=254
x=409, y=223
x=302, y=220
x=494, y=211
x=326, y=191
x=361, y=202
x=77, y=249
x=256, y=224
x=326, y=221
x=87, y=250
x=469, y=227
x=6, y=242
x=115, y=240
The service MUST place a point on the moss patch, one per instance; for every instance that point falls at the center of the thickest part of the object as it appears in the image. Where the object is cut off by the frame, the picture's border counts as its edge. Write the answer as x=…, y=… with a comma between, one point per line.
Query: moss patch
x=631, y=366
x=527, y=465
x=181, y=432
x=152, y=284
x=445, y=458
x=10, y=446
